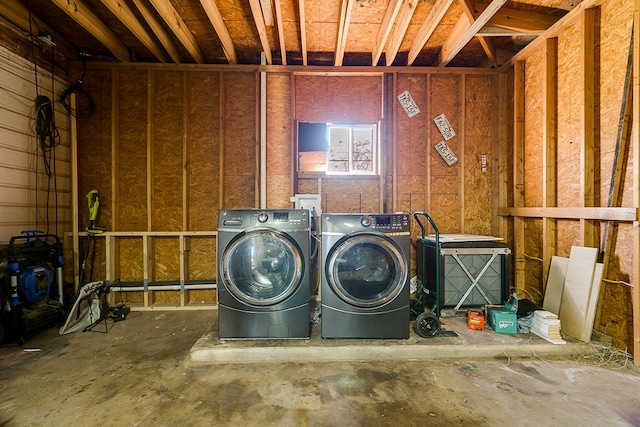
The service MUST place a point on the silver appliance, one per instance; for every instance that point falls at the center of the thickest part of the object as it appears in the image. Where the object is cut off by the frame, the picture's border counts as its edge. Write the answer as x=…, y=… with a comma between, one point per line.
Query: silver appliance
x=365, y=280
x=263, y=273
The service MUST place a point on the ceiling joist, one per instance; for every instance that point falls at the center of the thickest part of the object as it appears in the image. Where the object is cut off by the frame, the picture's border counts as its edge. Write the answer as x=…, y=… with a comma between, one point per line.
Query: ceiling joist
x=464, y=30
x=158, y=30
x=400, y=29
x=178, y=26
x=469, y=8
x=126, y=16
x=258, y=18
x=343, y=29
x=283, y=50
x=522, y=21
x=221, y=30
x=428, y=27
x=80, y=13
x=303, y=33
x=385, y=29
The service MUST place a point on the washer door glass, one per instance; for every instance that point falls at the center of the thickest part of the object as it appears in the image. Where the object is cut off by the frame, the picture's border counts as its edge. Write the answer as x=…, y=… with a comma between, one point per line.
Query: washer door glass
x=262, y=267
x=366, y=270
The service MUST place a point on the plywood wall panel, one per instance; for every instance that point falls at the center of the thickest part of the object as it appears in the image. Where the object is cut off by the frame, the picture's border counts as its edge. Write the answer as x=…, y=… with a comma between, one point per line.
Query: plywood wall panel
x=204, y=150
x=411, y=143
x=166, y=259
x=311, y=98
x=240, y=144
x=478, y=133
x=570, y=100
x=280, y=142
x=131, y=163
x=534, y=123
x=130, y=260
x=446, y=98
x=167, y=148
x=534, y=277
x=202, y=258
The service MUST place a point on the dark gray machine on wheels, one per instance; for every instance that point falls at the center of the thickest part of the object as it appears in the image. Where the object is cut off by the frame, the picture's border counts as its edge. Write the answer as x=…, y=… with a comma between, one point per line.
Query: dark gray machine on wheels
x=365, y=282
x=264, y=290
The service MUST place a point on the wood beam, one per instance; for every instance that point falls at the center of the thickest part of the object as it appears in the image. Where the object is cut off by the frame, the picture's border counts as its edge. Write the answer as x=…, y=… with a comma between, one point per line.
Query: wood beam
x=518, y=172
x=489, y=31
x=303, y=32
x=345, y=17
x=158, y=30
x=550, y=153
x=80, y=12
x=592, y=213
x=428, y=27
x=469, y=8
x=589, y=150
x=522, y=21
x=172, y=18
x=126, y=16
x=262, y=29
x=221, y=30
x=457, y=40
x=283, y=50
x=400, y=29
x=385, y=29
x=635, y=281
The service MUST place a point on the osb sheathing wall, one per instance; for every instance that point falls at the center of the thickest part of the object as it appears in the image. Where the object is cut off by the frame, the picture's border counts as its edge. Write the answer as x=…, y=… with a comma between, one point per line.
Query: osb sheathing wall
x=167, y=148
x=604, y=32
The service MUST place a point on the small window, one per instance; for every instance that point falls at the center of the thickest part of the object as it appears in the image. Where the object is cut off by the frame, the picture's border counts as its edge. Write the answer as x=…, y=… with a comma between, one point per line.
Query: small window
x=338, y=149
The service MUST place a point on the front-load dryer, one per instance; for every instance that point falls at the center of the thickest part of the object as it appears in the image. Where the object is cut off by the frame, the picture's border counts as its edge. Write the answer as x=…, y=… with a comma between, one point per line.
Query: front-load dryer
x=263, y=273
x=365, y=280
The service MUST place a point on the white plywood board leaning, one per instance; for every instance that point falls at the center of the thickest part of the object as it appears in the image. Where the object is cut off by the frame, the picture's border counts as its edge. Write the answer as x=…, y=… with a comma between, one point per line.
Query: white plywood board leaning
x=555, y=284
x=577, y=290
x=593, y=302
x=408, y=104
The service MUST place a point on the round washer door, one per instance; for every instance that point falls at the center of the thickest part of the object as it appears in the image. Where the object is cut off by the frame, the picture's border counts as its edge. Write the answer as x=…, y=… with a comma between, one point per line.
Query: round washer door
x=262, y=267
x=366, y=270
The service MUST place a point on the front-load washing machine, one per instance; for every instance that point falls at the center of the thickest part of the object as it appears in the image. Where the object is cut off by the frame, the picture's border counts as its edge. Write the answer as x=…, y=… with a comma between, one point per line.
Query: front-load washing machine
x=365, y=280
x=263, y=283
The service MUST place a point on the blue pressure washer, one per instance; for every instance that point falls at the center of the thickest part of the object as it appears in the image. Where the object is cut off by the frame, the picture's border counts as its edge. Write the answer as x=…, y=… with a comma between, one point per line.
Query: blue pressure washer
x=28, y=296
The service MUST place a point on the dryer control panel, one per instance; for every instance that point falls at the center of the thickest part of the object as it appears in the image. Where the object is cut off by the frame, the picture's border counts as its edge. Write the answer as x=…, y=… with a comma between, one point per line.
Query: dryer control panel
x=284, y=219
x=382, y=223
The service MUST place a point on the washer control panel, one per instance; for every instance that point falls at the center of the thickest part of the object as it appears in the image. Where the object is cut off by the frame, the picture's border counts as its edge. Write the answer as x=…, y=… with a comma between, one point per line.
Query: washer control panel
x=283, y=219
x=383, y=223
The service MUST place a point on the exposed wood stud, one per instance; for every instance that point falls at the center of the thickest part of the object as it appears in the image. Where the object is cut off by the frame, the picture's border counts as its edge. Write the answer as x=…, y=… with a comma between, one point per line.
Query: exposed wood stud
x=518, y=172
x=436, y=14
x=385, y=30
x=303, y=32
x=283, y=50
x=635, y=293
x=343, y=29
x=550, y=152
x=400, y=29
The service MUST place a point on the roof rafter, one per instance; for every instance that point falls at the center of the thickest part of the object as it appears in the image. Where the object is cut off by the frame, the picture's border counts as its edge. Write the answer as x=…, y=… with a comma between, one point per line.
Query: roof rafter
x=468, y=7
x=385, y=30
x=158, y=30
x=283, y=50
x=221, y=30
x=465, y=30
x=178, y=26
x=80, y=13
x=303, y=33
x=126, y=16
x=256, y=10
x=400, y=29
x=522, y=21
x=428, y=27
x=343, y=29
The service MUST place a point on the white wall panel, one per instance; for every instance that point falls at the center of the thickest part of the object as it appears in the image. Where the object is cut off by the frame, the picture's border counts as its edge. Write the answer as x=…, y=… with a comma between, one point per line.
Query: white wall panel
x=27, y=196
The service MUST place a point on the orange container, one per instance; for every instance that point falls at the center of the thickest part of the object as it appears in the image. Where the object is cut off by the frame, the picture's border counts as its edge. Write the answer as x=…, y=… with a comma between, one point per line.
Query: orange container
x=475, y=319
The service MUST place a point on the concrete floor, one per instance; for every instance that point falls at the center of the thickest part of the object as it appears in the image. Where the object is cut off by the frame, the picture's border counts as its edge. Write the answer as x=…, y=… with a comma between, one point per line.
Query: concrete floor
x=142, y=373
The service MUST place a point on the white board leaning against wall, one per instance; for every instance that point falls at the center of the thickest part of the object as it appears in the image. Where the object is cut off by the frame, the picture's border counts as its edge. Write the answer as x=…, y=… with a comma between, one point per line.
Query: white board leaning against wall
x=29, y=199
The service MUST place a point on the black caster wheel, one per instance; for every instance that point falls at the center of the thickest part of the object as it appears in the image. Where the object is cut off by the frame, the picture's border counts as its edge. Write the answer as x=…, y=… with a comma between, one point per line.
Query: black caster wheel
x=427, y=325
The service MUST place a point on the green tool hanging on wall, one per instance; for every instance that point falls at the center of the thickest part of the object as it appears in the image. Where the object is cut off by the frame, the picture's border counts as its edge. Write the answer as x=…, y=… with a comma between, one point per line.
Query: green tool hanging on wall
x=92, y=229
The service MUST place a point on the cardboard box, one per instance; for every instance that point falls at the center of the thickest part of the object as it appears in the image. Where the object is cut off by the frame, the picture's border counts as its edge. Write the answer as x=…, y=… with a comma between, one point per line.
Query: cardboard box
x=502, y=320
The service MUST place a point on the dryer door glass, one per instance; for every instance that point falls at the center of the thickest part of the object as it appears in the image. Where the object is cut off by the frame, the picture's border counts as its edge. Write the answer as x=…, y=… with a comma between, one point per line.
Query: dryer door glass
x=366, y=270
x=262, y=267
